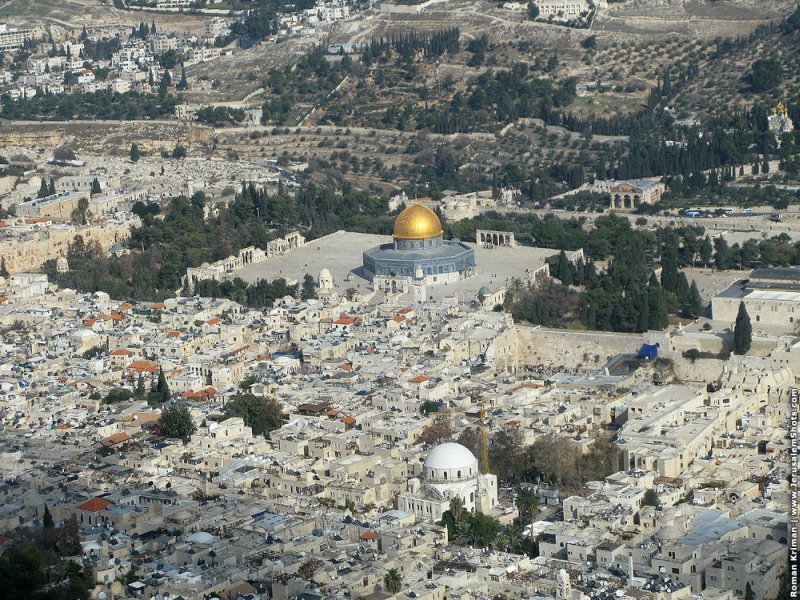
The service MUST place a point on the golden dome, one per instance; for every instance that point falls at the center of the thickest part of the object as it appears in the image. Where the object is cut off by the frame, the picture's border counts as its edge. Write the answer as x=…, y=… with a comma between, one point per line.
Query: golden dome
x=417, y=222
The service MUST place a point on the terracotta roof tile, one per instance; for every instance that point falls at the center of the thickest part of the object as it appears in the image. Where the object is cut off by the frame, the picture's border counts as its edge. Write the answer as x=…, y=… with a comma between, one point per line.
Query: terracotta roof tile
x=94, y=505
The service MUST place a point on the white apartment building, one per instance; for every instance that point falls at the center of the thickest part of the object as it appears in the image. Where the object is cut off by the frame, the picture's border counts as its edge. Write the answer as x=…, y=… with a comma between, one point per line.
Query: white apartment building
x=11, y=39
x=162, y=43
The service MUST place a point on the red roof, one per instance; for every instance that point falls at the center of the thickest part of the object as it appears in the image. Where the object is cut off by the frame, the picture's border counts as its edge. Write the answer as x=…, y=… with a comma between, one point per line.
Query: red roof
x=94, y=505
x=419, y=379
x=349, y=421
x=344, y=320
x=370, y=535
x=214, y=321
x=114, y=439
x=121, y=352
x=142, y=366
x=398, y=319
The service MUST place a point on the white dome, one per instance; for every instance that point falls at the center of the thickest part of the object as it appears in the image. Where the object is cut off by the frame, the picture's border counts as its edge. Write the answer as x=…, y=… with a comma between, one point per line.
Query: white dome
x=450, y=456
x=324, y=273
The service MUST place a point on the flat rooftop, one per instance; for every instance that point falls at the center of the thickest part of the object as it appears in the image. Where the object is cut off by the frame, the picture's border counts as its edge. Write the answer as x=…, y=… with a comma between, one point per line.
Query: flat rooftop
x=341, y=254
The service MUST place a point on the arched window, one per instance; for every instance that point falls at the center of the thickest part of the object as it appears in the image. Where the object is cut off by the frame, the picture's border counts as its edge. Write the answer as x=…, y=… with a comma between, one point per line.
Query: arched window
x=445, y=474
x=459, y=474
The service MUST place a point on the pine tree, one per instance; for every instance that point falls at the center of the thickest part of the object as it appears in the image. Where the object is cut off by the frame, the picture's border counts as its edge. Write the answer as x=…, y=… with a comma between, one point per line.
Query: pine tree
x=742, y=331
x=136, y=154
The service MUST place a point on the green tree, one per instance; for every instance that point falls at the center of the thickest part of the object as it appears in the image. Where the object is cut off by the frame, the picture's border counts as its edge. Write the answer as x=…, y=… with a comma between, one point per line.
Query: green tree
x=95, y=187
x=749, y=594
x=117, y=394
x=706, y=250
x=43, y=190
x=657, y=307
x=262, y=414
x=47, y=519
x=179, y=152
x=564, y=269
x=161, y=392
x=136, y=154
x=533, y=11
x=393, y=581
x=176, y=422
x=183, y=84
x=309, y=288
x=140, y=389
x=694, y=303
x=4, y=269
x=742, y=331
x=650, y=498
x=764, y=75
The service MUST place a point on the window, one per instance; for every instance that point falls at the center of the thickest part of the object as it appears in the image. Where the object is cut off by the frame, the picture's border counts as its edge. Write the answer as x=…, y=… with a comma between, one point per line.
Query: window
x=675, y=570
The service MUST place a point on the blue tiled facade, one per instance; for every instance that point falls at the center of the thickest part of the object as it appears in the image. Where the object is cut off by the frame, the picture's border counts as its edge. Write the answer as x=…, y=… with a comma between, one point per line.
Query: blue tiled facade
x=434, y=255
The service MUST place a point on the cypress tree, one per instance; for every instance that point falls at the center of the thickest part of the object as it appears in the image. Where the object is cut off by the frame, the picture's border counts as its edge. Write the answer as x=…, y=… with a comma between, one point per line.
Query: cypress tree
x=43, y=191
x=564, y=269
x=657, y=319
x=669, y=266
x=3, y=269
x=742, y=331
x=694, y=303
x=47, y=519
x=51, y=189
x=162, y=389
x=95, y=187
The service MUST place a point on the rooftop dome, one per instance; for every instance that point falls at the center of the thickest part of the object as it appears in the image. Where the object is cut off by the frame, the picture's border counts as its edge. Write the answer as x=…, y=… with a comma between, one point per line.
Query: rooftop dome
x=450, y=456
x=417, y=222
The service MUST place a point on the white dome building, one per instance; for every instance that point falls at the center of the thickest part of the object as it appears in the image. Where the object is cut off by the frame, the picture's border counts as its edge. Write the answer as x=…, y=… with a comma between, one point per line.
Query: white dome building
x=449, y=471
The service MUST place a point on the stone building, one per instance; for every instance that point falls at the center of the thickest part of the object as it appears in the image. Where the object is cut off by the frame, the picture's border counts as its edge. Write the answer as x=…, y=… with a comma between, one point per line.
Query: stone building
x=771, y=297
x=630, y=194
x=449, y=471
x=418, y=245
x=58, y=206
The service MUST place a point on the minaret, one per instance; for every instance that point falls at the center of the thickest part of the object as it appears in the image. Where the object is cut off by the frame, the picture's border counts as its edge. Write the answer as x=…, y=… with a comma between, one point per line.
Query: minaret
x=564, y=591
x=418, y=286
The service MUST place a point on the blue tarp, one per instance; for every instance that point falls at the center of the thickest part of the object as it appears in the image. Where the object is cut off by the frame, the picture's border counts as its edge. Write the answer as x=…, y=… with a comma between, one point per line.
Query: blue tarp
x=649, y=351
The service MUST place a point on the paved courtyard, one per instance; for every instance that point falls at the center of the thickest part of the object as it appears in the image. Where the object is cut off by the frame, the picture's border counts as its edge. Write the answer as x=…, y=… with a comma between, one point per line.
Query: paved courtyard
x=341, y=252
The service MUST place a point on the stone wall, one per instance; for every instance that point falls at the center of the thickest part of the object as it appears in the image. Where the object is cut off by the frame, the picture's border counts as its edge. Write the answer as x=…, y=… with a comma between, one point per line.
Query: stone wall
x=556, y=348
x=25, y=254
